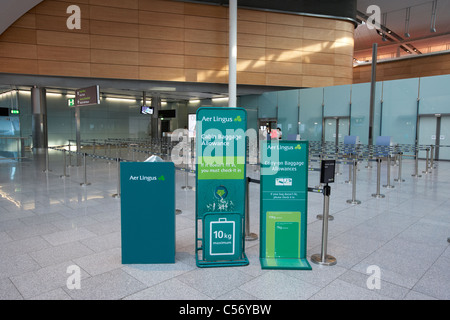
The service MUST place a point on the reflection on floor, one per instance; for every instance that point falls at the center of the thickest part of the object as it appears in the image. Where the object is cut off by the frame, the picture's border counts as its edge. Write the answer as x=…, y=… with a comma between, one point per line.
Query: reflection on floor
x=48, y=224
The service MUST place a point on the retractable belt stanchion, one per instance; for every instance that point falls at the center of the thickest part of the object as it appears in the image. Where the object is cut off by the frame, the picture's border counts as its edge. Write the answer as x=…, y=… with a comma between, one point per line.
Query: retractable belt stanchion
x=388, y=185
x=117, y=195
x=378, y=195
x=46, y=170
x=355, y=169
x=85, y=183
x=186, y=173
x=400, y=160
x=416, y=165
x=432, y=158
x=426, y=162
x=64, y=175
x=323, y=258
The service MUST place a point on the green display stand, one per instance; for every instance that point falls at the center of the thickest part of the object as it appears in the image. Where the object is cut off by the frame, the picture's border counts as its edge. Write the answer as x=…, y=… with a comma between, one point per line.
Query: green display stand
x=284, y=203
x=220, y=187
x=148, y=212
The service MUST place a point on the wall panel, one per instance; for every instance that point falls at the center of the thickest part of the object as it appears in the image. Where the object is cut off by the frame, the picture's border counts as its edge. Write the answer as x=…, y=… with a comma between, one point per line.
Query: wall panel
x=177, y=41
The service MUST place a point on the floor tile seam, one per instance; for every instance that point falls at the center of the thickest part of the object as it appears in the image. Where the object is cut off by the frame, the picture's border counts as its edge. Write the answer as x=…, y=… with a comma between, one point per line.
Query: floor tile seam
x=414, y=286
x=386, y=297
x=162, y=282
x=382, y=281
x=15, y=287
x=50, y=290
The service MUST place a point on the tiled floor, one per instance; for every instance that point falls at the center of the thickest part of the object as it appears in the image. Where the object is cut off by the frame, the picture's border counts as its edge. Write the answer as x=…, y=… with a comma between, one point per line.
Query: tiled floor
x=48, y=224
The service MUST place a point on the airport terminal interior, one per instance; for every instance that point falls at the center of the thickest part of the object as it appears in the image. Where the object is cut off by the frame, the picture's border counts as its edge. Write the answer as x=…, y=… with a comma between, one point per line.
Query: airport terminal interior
x=116, y=119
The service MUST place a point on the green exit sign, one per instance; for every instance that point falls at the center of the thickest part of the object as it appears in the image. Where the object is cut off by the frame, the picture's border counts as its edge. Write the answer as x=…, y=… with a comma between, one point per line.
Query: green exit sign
x=15, y=112
x=71, y=102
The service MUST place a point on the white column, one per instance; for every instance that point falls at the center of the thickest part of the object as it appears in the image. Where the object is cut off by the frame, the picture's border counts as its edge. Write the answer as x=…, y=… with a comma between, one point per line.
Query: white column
x=232, y=70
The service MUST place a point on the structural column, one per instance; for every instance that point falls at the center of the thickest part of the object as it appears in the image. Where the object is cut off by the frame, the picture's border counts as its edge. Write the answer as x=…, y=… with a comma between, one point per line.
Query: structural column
x=232, y=70
x=156, y=127
x=39, y=120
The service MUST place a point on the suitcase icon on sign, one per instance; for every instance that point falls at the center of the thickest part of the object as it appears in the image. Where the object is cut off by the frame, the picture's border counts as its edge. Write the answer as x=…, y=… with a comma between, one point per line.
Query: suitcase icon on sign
x=222, y=237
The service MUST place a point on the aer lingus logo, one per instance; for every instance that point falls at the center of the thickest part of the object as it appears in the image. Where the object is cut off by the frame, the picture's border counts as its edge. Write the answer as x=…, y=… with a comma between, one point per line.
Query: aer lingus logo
x=238, y=119
x=162, y=178
x=221, y=192
x=298, y=147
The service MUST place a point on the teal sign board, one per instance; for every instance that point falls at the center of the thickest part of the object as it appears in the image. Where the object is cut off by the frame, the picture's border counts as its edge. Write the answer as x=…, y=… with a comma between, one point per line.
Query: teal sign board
x=220, y=186
x=148, y=212
x=284, y=203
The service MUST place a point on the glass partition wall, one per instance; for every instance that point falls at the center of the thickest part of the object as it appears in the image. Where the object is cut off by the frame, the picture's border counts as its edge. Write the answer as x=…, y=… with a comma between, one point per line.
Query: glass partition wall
x=410, y=111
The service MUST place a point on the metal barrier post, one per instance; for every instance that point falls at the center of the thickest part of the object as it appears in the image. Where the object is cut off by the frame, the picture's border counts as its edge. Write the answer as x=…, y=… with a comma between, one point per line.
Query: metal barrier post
x=85, y=183
x=47, y=170
x=416, y=165
x=426, y=162
x=323, y=258
x=248, y=235
x=432, y=158
x=378, y=195
x=400, y=160
x=388, y=185
x=186, y=161
x=355, y=169
x=65, y=175
x=117, y=195
x=349, y=173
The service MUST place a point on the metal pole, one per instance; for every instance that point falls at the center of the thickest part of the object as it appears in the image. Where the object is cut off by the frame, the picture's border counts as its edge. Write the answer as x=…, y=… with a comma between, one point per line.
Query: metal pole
x=378, y=195
x=323, y=258
x=117, y=195
x=248, y=235
x=47, y=170
x=355, y=169
x=416, y=166
x=64, y=166
x=426, y=162
x=388, y=185
x=349, y=173
x=432, y=158
x=400, y=160
x=373, y=91
x=85, y=184
x=232, y=69
x=186, y=161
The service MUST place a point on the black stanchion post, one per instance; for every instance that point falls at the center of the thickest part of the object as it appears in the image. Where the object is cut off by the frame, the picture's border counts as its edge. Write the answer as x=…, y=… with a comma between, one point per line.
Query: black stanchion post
x=323, y=258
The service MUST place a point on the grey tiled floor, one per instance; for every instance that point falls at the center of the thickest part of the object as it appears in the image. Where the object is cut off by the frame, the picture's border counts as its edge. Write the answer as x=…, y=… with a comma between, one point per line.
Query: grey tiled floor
x=48, y=224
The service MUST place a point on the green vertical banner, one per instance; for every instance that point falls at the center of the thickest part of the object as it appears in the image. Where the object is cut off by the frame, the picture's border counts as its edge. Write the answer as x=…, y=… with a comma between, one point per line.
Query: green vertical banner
x=221, y=150
x=147, y=212
x=284, y=204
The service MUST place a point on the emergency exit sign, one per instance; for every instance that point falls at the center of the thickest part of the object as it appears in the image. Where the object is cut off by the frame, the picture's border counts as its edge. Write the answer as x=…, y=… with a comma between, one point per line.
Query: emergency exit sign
x=71, y=102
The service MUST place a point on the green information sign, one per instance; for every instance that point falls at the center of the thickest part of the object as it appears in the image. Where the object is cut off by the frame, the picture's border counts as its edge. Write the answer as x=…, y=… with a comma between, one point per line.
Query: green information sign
x=220, y=186
x=284, y=203
x=147, y=212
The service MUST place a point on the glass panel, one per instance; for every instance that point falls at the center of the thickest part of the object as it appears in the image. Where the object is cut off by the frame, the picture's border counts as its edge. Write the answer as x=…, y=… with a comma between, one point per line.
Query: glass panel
x=400, y=110
x=434, y=94
x=343, y=129
x=427, y=133
x=288, y=113
x=311, y=114
x=330, y=130
x=337, y=101
x=267, y=103
x=444, y=151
